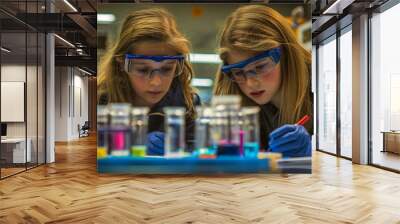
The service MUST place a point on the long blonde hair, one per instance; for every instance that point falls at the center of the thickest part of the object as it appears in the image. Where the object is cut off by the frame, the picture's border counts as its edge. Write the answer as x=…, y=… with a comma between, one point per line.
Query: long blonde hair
x=143, y=25
x=257, y=28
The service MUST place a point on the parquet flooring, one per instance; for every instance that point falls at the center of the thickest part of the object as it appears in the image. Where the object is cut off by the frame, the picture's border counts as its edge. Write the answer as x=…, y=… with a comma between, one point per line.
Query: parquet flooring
x=71, y=191
x=387, y=159
x=9, y=171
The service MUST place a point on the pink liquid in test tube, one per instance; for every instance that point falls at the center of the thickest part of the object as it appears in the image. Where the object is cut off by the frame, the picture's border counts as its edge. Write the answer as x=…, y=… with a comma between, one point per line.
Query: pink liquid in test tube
x=119, y=141
x=241, y=141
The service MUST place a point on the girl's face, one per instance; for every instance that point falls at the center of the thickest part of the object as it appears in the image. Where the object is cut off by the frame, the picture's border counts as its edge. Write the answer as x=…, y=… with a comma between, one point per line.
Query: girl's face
x=262, y=88
x=149, y=90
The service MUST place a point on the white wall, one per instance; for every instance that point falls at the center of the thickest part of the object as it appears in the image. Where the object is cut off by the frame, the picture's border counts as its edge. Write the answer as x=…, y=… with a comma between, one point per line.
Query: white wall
x=81, y=100
x=61, y=103
x=33, y=127
x=71, y=93
x=14, y=73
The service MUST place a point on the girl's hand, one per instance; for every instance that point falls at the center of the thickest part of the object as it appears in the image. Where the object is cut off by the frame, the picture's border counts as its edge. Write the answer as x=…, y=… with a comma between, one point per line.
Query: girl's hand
x=291, y=141
x=155, y=143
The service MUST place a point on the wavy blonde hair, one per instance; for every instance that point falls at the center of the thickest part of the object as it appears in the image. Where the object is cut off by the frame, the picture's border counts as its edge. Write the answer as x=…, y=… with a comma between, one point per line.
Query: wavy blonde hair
x=143, y=25
x=257, y=28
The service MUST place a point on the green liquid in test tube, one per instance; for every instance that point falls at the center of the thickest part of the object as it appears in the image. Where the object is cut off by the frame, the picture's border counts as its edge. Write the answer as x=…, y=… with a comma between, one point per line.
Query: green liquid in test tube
x=139, y=123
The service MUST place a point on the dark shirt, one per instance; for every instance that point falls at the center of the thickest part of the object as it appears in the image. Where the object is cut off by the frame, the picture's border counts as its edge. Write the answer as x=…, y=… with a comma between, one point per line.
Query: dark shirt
x=269, y=117
x=174, y=97
x=268, y=122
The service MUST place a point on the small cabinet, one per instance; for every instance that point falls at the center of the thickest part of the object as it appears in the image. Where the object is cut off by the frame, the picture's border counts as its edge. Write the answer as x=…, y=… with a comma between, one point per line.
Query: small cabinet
x=391, y=141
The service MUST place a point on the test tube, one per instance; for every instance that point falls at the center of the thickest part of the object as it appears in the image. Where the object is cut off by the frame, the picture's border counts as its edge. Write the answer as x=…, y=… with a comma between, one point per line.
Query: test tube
x=102, y=131
x=226, y=122
x=251, y=131
x=174, y=131
x=204, y=142
x=139, y=131
x=120, y=130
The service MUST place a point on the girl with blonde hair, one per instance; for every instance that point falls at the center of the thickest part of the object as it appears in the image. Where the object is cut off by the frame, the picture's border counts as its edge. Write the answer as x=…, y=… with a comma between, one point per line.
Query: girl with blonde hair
x=265, y=64
x=148, y=66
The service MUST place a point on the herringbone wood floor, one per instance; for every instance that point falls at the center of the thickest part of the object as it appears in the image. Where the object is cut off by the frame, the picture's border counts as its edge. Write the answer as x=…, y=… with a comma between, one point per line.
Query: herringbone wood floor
x=70, y=191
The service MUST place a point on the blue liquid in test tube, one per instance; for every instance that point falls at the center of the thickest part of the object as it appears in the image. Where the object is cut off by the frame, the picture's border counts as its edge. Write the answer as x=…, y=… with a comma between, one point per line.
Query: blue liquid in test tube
x=250, y=127
x=251, y=149
x=174, y=131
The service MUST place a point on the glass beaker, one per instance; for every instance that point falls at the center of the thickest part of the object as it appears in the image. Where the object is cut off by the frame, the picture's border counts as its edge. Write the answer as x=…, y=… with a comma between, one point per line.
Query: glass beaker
x=203, y=137
x=139, y=122
x=226, y=128
x=120, y=129
x=174, y=131
x=251, y=131
x=102, y=131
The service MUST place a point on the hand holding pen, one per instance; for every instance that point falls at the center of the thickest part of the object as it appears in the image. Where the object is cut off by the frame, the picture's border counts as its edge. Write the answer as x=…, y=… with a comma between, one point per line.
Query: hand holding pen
x=303, y=120
x=291, y=140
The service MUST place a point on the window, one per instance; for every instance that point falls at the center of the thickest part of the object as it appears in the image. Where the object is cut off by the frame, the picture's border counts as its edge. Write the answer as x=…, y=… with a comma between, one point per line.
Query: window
x=346, y=93
x=385, y=88
x=327, y=96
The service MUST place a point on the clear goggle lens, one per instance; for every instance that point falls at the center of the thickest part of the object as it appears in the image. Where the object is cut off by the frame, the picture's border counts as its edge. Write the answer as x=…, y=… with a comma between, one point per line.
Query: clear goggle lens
x=147, y=67
x=260, y=67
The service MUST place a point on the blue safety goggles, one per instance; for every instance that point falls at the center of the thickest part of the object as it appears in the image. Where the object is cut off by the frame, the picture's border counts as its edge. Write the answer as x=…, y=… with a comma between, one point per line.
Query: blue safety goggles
x=146, y=66
x=274, y=54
